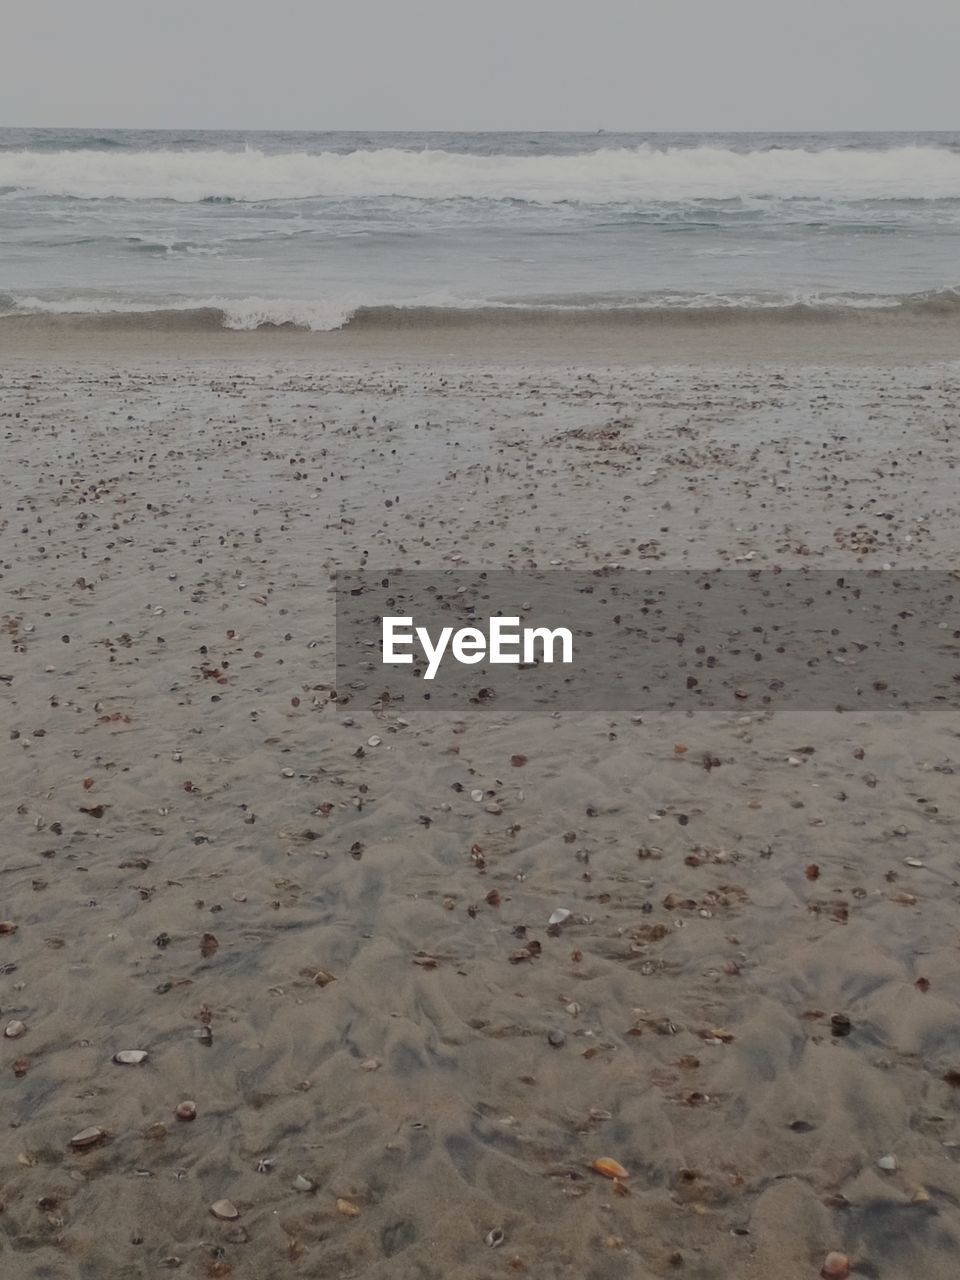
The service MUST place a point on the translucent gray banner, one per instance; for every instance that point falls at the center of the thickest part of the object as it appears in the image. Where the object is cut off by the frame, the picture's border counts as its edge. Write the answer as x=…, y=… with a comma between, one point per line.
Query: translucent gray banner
x=649, y=639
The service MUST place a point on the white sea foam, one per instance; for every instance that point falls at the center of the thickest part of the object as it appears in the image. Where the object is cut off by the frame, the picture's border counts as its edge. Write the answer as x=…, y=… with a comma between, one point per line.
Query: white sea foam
x=605, y=176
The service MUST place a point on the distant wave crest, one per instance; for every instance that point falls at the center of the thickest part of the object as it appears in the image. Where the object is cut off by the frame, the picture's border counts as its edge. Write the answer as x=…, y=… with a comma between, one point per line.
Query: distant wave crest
x=642, y=173
x=252, y=313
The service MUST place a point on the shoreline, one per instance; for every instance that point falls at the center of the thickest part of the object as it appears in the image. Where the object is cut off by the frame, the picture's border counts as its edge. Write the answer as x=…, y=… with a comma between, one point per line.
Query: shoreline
x=676, y=337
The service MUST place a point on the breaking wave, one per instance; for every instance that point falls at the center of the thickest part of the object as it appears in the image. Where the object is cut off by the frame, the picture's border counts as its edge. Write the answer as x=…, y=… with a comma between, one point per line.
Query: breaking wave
x=614, y=175
x=252, y=313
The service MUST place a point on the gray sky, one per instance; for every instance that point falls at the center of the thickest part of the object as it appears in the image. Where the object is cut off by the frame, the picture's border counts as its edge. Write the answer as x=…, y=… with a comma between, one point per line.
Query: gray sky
x=482, y=64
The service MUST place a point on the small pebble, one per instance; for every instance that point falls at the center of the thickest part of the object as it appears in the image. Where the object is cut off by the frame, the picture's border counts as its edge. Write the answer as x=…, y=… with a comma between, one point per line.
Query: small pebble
x=224, y=1209
x=557, y=1038
x=186, y=1111
x=130, y=1057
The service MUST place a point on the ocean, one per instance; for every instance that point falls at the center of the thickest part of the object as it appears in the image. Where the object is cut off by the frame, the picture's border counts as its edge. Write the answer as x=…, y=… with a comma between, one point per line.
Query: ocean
x=321, y=230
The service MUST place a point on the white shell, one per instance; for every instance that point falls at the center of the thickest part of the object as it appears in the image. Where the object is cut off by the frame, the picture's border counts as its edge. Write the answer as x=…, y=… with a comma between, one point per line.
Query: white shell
x=560, y=916
x=225, y=1209
x=300, y=1183
x=87, y=1137
x=130, y=1057
x=887, y=1163
x=13, y=1030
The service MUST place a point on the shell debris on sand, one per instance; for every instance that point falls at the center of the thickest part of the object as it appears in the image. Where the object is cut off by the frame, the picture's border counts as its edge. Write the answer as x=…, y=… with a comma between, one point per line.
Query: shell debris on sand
x=609, y=1167
x=88, y=1137
x=130, y=1057
x=836, y=1266
x=225, y=1210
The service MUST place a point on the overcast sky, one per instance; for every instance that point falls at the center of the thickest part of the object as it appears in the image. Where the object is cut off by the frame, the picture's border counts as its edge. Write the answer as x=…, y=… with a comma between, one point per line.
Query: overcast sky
x=482, y=64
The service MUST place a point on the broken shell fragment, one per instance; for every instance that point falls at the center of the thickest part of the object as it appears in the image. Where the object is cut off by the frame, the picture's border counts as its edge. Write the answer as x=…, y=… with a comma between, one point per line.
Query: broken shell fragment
x=88, y=1137
x=14, y=1030
x=888, y=1164
x=494, y=1238
x=609, y=1168
x=300, y=1183
x=130, y=1057
x=224, y=1209
x=347, y=1208
x=560, y=916
x=7, y=927
x=186, y=1111
x=836, y=1266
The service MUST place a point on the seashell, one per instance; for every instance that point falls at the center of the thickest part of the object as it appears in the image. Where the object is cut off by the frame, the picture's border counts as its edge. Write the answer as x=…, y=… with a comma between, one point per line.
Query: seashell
x=560, y=916
x=300, y=1183
x=920, y=1196
x=913, y=862
x=186, y=1111
x=130, y=1057
x=287, y=773
x=88, y=1137
x=7, y=927
x=494, y=1238
x=374, y=741
x=371, y=1064
x=476, y=796
x=225, y=1209
x=609, y=1168
x=14, y=1030
x=888, y=1164
x=836, y=1266
x=347, y=1208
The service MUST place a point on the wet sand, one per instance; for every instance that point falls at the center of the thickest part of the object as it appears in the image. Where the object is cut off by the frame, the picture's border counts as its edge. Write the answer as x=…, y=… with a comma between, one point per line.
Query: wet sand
x=293, y=902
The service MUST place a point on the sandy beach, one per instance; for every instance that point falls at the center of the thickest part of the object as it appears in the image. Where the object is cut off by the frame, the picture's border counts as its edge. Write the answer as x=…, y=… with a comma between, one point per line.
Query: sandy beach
x=286, y=894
